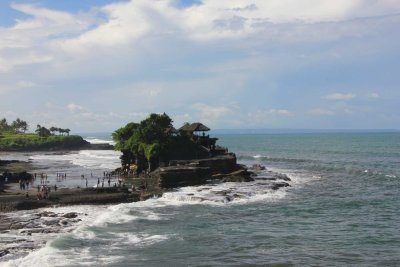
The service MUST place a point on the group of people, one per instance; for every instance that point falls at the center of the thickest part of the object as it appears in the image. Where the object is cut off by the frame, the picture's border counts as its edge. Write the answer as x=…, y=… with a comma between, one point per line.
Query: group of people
x=44, y=191
x=61, y=176
x=24, y=184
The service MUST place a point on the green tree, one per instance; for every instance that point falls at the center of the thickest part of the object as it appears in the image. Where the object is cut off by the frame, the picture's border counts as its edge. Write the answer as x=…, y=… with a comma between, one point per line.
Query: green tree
x=4, y=125
x=42, y=131
x=53, y=130
x=143, y=143
x=19, y=125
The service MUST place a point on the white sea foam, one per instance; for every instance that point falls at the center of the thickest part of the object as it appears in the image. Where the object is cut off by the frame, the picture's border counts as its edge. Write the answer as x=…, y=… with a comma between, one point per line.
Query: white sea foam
x=139, y=239
x=94, y=140
x=224, y=194
x=104, y=159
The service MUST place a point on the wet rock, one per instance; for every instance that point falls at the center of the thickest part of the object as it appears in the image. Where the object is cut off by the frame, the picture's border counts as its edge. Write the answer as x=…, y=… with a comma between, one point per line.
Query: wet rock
x=257, y=167
x=276, y=186
x=4, y=252
x=50, y=223
x=228, y=199
x=31, y=231
x=17, y=226
x=70, y=215
x=64, y=222
x=177, y=176
x=266, y=178
x=47, y=214
x=221, y=193
x=282, y=176
x=237, y=179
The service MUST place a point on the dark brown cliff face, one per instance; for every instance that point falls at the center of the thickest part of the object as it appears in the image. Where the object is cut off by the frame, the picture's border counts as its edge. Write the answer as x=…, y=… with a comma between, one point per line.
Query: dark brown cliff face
x=196, y=172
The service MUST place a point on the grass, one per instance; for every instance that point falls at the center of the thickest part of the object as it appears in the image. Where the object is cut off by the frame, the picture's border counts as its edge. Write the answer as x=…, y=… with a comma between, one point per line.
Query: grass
x=29, y=141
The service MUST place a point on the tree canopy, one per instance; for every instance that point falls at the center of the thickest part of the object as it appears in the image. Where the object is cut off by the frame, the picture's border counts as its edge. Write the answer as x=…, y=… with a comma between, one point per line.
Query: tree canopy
x=142, y=143
x=17, y=126
x=150, y=142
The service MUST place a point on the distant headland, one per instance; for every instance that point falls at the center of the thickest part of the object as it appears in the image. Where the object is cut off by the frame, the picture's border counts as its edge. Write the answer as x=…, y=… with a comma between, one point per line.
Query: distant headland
x=14, y=137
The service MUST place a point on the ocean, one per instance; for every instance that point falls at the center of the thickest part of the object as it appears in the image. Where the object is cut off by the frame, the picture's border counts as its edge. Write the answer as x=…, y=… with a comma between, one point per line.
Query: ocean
x=342, y=209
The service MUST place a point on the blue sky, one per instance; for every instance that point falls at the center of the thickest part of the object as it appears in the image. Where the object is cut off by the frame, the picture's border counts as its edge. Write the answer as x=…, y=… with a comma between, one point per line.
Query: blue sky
x=96, y=65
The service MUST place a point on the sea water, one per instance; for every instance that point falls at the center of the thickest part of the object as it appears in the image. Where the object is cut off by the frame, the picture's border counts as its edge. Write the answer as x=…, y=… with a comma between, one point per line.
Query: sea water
x=342, y=209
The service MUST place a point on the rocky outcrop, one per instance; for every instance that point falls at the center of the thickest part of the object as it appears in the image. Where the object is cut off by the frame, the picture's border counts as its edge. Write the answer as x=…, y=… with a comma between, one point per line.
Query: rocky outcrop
x=103, y=146
x=257, y=167
x=178, y=176
x=276, y=186
x=219, y=164
x=196, y=172
x=236, y=179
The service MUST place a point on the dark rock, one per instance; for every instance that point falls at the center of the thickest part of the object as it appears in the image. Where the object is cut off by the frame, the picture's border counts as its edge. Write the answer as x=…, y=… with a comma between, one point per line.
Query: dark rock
x=218, y=164
x=257, y=167
x=237, y=179
x=4, y=252
x=51, y=223
x=70, y=215
x=64, y=222
x=17, y=226
x=282, y=176
x=178, y=176
x=222, y=193
x=228, y=199
x=104, y=146
x=276, y=186
x=266, y=178
x=47, y=214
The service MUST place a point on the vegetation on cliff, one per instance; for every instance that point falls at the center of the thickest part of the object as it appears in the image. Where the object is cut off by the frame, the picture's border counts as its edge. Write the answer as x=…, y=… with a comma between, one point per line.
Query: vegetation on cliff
x=14, y=138
x=26, y=142
x=152, y=142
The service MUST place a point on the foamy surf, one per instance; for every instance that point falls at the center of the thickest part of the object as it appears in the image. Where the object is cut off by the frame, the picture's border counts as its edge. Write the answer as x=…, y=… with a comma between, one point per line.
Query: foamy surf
x=94, y=140
x=91, y=159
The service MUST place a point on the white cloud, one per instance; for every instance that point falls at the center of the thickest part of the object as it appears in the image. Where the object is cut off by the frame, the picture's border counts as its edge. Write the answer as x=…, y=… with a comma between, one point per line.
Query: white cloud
x=150, y=56
x=373, y=95
x=281, y=112
x=74, y=107
x=211, y=114
x=321, y=112
x=266, y=118
x=25, y=84
x=340, y=96
x=154, y=92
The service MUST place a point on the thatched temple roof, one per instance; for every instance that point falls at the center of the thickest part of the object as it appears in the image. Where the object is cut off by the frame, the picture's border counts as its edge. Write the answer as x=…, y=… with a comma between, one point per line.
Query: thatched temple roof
x=194, y=127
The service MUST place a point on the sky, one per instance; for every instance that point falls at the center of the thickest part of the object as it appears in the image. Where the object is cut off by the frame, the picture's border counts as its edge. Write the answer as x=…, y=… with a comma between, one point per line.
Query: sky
x=93, y=66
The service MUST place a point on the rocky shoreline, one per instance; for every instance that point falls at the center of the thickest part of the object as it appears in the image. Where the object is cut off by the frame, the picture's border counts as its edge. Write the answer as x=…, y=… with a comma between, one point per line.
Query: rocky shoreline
x=45, y=222
x=222, y=169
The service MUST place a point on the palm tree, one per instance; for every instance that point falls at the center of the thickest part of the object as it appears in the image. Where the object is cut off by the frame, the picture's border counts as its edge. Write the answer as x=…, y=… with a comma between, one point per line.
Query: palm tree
x=53, y=130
